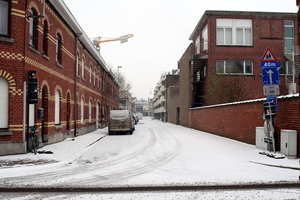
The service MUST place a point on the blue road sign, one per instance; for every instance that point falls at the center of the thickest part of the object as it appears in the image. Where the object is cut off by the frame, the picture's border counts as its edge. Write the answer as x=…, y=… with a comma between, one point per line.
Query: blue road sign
x=274, y=100
x=269, y=64
x=270, y=75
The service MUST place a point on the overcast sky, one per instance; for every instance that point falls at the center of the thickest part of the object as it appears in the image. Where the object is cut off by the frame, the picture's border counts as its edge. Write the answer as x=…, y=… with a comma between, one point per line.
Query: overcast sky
x=161, y=30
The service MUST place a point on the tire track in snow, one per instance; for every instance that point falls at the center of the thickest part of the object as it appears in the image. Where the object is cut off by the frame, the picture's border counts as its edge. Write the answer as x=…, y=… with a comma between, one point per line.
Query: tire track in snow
x=150, y=154
x=142, y=162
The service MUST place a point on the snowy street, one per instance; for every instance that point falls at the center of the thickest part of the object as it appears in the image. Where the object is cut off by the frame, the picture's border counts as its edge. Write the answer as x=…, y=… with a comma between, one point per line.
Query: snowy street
x=157, y=154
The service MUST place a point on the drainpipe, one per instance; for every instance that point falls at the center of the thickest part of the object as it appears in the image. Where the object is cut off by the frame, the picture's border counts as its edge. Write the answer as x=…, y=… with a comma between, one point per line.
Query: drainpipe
x=25, y=105
x=75, y=83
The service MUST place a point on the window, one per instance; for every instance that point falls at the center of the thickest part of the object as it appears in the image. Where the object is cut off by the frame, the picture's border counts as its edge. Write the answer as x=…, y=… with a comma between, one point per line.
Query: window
x=234, y=32
x=234, y=67
x=197, y=44
x=286, y=67
x=82, y=67
x=90, y=110
x=77, y=71
x=95, y=77
x=82, y=110
x=57, y=107
x=45, y=36
x=33, y=28
x=205, y=38
x=90, y=74
x=3, y=103
x=4, y=17
x=289, y=36
x=58, y=48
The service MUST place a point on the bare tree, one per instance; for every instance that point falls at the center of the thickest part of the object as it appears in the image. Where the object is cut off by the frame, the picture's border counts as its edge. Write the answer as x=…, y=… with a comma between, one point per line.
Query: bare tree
x=125, y=86
x=225, y=89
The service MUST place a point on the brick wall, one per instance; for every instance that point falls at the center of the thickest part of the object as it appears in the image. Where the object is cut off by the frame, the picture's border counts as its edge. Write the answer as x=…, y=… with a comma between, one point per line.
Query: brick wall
x=185, y=85
x=239, y=120
x=173, y=106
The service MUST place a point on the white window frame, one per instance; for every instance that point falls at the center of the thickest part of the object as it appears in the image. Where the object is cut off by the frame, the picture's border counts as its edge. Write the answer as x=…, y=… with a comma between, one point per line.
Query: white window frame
x=77, y=71
x=57, y=107
x=205, y=38
x=227, y=32
x=33, y=28
x=82, y=110
x=58, y=47
x=286, y=50
x=90, y=74
x=197, y=45
x=287, y=67
x=90, y=110
x=82, y=67
x=225, y=66
x=94, y=77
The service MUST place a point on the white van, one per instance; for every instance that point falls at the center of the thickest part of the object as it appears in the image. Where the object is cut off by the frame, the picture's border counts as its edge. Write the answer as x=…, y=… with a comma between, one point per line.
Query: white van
x=120, y=121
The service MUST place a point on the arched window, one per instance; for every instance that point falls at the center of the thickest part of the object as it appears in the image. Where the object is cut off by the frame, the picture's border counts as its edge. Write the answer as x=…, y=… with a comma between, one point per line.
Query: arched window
x=94, y=77
x=90, y=110
x=77, y=72
x=3, y=103
x=90, y=74
x=82, y=110
x=33, y=28
x=45, y=39
x=82, y=67
x=58, y=48
x=57, y=107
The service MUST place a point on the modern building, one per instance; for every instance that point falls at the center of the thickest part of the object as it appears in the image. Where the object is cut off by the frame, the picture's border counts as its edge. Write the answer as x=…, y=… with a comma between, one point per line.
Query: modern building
x=51, y=76
x=142, y=108
x=160, y=95
x=223, y=62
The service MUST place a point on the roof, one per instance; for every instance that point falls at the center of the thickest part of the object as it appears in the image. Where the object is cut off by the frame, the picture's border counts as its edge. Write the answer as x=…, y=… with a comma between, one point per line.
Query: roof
x=208, y=13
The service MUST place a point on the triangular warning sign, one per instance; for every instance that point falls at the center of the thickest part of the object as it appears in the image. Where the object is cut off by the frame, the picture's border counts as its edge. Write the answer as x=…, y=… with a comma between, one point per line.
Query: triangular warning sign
x=268, y=56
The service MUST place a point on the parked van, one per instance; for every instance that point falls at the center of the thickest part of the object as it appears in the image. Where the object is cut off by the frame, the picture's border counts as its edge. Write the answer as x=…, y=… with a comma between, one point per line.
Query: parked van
x=120, y=121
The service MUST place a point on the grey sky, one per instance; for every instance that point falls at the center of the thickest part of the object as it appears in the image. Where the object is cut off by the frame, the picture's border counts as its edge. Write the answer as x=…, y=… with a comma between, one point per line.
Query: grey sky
x=161, y=31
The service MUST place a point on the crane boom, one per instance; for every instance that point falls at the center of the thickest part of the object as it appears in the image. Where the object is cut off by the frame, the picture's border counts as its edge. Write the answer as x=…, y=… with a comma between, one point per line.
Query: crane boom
x=123, y=38
x=96, y=41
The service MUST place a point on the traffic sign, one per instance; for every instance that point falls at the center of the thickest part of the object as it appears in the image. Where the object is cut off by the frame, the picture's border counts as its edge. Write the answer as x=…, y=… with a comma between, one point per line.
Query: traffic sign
x=270, y=75
x=273, y=99
x=268, y=56
x=271, y=90
x=269, y=64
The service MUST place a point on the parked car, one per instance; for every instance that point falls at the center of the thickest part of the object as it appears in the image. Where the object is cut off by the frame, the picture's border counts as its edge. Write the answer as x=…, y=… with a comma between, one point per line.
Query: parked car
x=121, y=121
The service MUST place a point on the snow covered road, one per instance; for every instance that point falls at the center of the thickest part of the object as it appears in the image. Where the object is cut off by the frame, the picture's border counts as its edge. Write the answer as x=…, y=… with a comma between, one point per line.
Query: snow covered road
x=157, y=154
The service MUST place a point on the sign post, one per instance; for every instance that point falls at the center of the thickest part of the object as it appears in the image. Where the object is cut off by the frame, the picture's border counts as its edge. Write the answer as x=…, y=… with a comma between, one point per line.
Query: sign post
x=270, y=81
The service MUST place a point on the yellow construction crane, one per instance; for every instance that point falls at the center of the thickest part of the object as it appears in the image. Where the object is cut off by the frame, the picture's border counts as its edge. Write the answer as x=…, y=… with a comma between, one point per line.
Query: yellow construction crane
x=96, y=41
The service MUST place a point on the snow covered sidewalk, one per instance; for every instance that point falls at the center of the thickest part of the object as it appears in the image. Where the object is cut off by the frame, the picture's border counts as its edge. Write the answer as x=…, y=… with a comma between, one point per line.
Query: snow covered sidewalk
x=63, y=151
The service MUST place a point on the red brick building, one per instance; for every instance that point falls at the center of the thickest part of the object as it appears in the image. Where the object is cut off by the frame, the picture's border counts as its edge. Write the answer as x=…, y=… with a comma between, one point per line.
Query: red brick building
x=220, y=87
x=223, y=63
x=228, y=47
x=76, y=90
